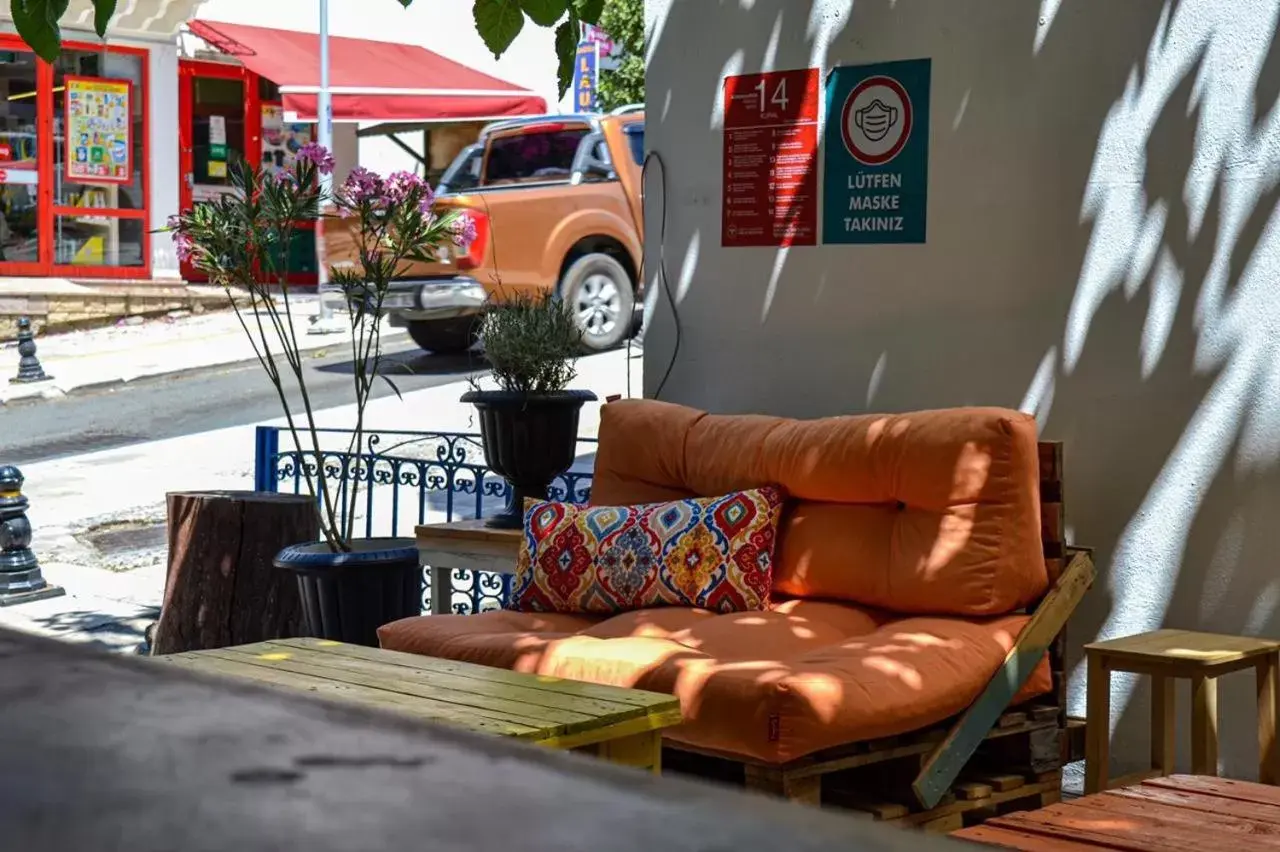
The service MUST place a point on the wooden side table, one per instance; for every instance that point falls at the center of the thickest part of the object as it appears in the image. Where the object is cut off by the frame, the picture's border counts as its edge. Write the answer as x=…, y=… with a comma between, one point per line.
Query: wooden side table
x=465, y=545
x=1166, y=655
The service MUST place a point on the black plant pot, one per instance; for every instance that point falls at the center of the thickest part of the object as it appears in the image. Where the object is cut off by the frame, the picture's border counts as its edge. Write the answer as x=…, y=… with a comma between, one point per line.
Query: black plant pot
x=348, y=596
x=528, y=438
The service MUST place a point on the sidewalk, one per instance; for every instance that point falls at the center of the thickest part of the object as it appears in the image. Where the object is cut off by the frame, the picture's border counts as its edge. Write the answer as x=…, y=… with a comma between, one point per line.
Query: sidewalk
x=112, y=597
x=136, y=348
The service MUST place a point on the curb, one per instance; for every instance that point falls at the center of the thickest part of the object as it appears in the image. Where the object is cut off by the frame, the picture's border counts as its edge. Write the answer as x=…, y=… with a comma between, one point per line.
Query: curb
x=55, y=391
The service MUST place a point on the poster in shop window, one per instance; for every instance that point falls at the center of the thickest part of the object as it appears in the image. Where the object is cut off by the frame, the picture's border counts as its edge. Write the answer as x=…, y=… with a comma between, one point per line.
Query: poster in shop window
x=281, y=141
x=99, y=125
x=770, y=194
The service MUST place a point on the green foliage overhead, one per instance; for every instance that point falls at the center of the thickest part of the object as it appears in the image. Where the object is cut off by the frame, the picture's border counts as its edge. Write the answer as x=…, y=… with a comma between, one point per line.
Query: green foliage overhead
x=623, y=20
x=497, y=21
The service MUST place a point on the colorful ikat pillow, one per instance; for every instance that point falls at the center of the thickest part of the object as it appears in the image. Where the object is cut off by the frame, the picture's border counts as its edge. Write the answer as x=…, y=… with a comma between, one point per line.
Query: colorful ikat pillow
x=715, y=553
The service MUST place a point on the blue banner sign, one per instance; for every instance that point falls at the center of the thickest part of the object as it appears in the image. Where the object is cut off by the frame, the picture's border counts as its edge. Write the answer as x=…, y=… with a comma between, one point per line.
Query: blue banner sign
x=876, y=178
x=586, y=76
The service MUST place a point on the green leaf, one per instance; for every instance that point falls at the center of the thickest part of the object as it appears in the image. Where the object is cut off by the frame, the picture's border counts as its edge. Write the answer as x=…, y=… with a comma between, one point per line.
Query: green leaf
x=387, y=379
x=37, y=24
x=566, y=49
x=498, y=22
x=588, y=10
x=544, y=13
x=102, y=12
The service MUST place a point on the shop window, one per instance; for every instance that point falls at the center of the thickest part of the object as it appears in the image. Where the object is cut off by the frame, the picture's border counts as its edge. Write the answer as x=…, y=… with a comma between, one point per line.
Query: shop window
x=217, y=139
x=19, y=174
x=98, y=241
x=113, y=194
x=268, y=92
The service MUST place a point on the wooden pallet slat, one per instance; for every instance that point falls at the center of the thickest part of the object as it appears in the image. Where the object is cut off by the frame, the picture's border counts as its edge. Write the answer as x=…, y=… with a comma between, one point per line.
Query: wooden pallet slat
x=948, y=757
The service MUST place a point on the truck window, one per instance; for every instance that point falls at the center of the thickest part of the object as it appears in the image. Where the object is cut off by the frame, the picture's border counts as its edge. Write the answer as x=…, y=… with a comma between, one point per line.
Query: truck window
x=464, y=172
x=533, y=156
x=635, y=141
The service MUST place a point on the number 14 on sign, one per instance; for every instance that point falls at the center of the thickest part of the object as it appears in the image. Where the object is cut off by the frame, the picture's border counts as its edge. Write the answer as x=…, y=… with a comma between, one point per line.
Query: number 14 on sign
x=779, y=97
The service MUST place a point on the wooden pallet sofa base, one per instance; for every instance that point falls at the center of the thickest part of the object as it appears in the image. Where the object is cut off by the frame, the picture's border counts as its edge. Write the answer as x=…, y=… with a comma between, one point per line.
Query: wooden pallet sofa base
x=651, y=451
x=1016, y=767
x=934, y=769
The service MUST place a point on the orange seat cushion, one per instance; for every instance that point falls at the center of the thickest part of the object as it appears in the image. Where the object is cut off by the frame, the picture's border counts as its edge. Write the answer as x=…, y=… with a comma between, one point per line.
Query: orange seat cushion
x=930, y=513
x=773, y=685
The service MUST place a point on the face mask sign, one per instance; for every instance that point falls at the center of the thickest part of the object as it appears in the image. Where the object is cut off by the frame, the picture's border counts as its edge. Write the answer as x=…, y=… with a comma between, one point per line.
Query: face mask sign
x=876, y=172
x=875, y=120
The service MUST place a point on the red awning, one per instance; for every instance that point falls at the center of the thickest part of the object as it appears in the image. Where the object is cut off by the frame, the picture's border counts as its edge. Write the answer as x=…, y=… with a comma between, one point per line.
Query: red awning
x=369, y=80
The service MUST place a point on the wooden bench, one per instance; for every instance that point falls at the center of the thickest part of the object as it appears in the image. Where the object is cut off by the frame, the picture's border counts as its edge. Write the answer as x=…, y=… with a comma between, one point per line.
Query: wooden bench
x=113, y=752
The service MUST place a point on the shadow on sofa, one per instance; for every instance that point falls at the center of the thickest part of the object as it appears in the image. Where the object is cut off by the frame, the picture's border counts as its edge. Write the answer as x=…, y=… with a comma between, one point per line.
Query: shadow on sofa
x=919, y=577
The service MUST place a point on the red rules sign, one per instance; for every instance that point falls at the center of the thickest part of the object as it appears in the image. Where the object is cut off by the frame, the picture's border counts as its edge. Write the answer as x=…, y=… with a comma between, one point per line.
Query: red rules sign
x=770, y=195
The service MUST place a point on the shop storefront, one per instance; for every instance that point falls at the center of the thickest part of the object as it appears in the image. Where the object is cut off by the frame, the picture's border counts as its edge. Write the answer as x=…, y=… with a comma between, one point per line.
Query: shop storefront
x=74, y=187
x=99, y=148
x=228, y=113
x=256, y=100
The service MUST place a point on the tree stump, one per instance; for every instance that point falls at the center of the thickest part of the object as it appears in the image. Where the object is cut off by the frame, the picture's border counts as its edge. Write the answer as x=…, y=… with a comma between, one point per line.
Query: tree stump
x=221, y=588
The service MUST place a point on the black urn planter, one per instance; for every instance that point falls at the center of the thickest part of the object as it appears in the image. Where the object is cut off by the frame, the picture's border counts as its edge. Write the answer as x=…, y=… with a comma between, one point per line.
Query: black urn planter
x=348, y=596
x=528, y=438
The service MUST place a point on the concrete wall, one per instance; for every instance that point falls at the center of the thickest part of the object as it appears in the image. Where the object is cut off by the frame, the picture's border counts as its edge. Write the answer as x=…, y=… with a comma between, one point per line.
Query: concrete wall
x=1101, y=251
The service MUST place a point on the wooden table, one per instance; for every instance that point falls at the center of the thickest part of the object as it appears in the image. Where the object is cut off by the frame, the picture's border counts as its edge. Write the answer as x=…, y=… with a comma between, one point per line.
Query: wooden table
x=620, y=725
x=464, y=545
x=107, y=751
x=1173, y=813
x=1166, y=655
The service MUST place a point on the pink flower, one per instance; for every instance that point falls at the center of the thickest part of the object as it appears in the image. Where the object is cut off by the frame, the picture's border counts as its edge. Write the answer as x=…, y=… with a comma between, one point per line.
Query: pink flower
x=183, y=245
x=362, y=186
x=428, y=199
x=403, y=186
x=463, y=230
x=318, y=155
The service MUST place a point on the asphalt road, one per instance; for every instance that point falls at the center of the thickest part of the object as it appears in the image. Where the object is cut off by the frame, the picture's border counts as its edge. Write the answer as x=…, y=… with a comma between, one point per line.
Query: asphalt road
x=153, y=409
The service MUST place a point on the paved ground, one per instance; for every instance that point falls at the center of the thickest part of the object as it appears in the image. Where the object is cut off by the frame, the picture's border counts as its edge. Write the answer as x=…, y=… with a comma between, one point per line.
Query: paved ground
x=134, y=348
x=159, y=407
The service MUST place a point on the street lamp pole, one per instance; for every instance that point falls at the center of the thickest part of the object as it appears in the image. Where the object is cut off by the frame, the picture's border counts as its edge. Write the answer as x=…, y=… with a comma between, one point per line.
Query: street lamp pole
x=324, y=322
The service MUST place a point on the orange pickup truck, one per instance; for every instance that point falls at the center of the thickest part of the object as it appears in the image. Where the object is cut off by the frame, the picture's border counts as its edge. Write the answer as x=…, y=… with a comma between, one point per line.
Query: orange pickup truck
x=556, y=200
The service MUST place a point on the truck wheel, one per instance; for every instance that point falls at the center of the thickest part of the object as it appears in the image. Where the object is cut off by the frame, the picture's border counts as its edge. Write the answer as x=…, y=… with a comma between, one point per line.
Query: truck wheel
x=598, y=291
x=445, y=336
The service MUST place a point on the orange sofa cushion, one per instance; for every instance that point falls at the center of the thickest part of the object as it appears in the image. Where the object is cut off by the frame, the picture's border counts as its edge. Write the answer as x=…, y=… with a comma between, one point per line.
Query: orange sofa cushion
x=773, y=685
x=935, y=512
x=710, y=552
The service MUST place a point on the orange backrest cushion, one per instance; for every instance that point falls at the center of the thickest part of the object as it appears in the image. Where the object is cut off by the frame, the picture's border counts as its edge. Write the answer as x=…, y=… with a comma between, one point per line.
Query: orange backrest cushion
x=928, y=512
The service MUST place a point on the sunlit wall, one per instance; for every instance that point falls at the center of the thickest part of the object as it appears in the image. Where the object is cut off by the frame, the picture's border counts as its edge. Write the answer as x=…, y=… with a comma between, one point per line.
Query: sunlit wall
x=1101, y=252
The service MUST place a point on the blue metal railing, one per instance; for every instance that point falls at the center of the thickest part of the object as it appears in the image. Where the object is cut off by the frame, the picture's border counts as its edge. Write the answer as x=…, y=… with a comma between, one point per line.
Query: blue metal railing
x=401, y=479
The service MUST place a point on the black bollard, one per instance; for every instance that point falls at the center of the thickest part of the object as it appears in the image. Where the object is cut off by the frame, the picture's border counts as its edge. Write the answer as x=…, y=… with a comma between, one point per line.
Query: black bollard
x=29, y=369
x=20, y=577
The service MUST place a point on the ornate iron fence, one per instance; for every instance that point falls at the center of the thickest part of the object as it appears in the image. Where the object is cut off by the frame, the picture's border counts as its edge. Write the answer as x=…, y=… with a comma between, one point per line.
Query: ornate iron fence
x=401, y=479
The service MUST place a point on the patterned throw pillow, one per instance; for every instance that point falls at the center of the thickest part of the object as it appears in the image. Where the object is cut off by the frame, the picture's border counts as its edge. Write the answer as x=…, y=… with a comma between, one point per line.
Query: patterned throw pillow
x=715, y=553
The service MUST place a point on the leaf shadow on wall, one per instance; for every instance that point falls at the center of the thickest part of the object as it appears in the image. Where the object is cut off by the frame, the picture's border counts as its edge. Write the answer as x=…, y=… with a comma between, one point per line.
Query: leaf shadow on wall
x=1168, y=413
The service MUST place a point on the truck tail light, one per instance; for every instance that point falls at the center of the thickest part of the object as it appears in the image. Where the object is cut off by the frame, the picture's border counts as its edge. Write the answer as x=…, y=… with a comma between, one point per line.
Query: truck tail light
x=473, y=256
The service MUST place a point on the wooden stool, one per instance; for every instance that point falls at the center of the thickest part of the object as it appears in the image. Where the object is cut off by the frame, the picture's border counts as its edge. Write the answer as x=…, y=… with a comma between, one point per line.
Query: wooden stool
x=1169, y=654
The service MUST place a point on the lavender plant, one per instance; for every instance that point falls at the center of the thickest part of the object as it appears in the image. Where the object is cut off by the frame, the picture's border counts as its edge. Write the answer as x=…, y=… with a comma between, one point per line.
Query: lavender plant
x=241, y=241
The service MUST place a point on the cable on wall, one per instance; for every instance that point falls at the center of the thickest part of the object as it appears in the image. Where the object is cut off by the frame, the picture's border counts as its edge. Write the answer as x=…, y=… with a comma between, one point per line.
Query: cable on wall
x=655, y=157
